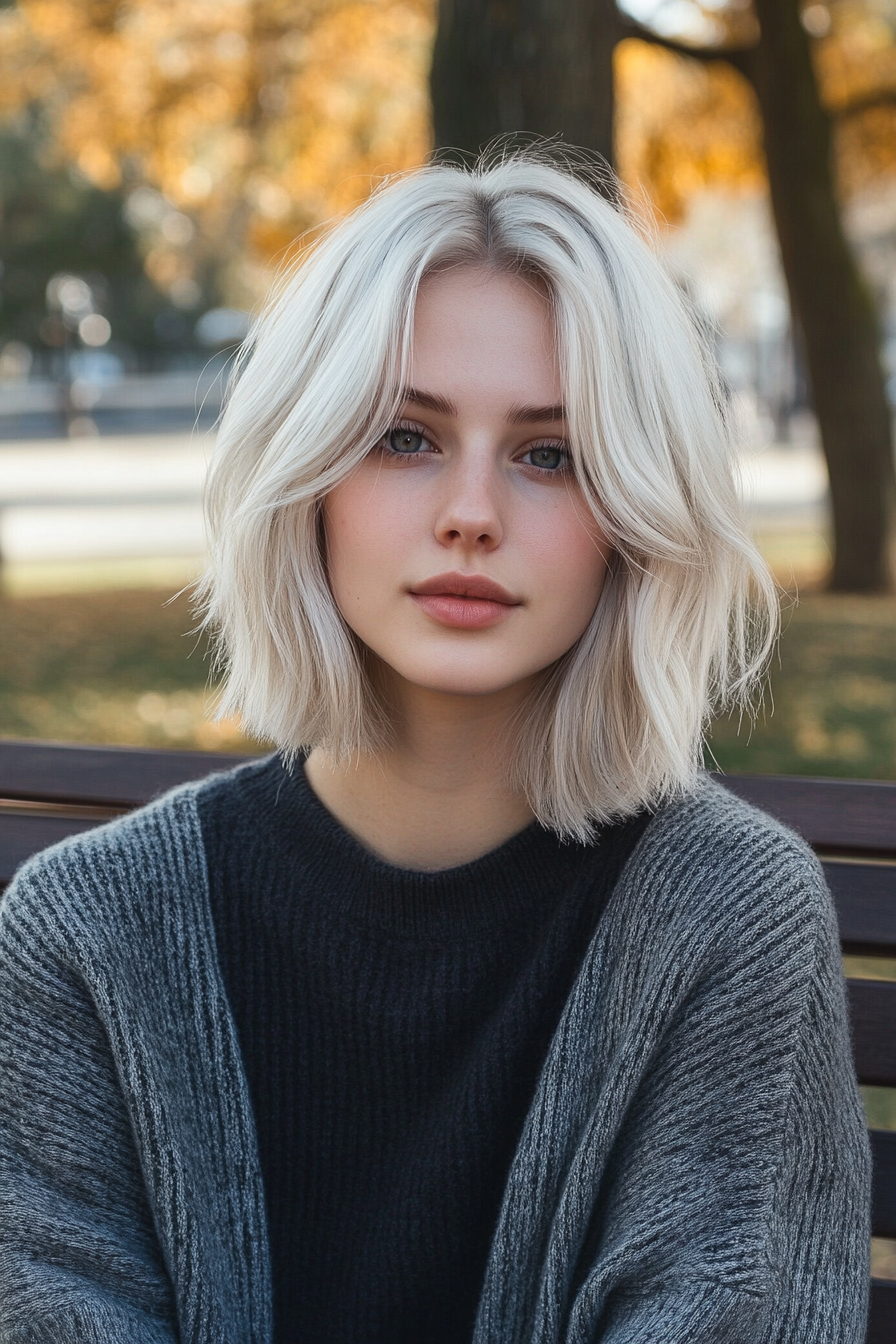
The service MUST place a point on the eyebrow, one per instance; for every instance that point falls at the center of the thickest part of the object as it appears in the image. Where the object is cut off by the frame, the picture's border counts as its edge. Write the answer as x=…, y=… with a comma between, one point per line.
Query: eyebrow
x=432, y=403
x=524, y=415
x=519, y=415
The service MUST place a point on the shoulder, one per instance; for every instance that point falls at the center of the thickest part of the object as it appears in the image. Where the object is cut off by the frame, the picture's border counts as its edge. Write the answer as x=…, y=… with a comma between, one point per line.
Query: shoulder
x=97, y=882
x=710, y=818
x=713, y=861
x=230, y=796
x=139, y=836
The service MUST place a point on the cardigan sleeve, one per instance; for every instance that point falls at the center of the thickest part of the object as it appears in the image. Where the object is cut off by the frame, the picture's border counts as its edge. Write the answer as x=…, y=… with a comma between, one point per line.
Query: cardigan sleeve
x=816, y=1229
x=695, y=1167
x=790, y=1264
x=819, y=1225
x=79, y=1258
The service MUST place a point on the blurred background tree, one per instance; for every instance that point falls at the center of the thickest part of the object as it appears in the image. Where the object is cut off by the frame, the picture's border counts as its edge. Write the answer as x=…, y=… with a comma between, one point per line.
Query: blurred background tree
x=191, y=144
x=541, y=67
x=54, y=221
x=224, y=131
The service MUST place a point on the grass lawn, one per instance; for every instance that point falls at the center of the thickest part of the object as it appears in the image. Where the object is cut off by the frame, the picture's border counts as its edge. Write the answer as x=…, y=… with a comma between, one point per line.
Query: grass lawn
x=830, y=707
x=121, y=666
x=108, y=666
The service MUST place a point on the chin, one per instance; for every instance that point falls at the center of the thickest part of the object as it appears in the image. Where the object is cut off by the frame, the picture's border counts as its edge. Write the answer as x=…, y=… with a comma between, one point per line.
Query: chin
x=466, y=681
x=469, y=687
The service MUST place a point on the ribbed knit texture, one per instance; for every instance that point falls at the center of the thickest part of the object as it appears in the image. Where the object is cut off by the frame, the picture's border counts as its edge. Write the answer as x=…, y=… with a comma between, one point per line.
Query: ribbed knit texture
x=693, y=1168
x=393, y=1025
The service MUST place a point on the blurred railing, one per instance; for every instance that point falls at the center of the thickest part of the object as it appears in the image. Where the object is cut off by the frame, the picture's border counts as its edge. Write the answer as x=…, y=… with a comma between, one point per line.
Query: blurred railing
x=50, y=408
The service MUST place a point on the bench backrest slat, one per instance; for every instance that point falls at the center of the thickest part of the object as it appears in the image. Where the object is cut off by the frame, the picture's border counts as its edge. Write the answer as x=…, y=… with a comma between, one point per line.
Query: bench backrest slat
x=865, y=896
x=872, y=1006
x=25, y=833
x=883, y=1151
x=883, y=1312
x=832, y=814
x=124, y=777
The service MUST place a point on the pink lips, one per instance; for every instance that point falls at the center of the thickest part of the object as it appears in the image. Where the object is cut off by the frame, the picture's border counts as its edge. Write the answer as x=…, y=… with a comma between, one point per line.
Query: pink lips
x=464, y=601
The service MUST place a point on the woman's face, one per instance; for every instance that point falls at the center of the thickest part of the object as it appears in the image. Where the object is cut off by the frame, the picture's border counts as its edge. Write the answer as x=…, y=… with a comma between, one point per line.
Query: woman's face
x=461, y=551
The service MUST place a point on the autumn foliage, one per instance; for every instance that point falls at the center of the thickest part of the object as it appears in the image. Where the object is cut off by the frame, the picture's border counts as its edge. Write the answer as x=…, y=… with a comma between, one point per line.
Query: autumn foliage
x=262, y=118
x=682, y=126
x=685, y=125
x=257, y=118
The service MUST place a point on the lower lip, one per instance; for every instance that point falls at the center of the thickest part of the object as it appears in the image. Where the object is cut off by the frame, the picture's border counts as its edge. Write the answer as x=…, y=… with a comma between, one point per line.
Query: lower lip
x=463, y=613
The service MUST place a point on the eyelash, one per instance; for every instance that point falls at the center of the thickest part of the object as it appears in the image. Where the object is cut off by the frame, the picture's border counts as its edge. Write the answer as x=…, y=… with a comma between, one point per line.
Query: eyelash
x=565, y=466
x=409, y=427
x=412, y=428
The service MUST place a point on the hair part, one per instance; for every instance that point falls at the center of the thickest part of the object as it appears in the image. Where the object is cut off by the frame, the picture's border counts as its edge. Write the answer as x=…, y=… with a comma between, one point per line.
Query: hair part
x=688, y=613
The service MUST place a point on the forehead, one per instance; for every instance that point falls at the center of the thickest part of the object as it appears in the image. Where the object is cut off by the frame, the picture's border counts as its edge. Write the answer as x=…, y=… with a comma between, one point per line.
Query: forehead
x=485, y=329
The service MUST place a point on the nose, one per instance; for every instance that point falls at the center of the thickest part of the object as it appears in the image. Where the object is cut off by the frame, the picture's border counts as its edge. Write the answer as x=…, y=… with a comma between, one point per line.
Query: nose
x=470, y=511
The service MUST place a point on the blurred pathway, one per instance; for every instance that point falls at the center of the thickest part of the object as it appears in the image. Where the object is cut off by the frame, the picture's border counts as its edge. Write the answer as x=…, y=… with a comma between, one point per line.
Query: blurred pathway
x=103, y=498
x=785, y=486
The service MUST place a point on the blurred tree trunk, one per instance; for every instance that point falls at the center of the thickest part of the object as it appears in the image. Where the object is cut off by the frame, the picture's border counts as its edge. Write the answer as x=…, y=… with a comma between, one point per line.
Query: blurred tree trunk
x=830, y=300
x=542, y=67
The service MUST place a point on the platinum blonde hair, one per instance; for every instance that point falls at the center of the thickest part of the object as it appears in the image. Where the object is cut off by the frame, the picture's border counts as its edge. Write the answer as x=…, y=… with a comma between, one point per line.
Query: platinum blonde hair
x=688, y=612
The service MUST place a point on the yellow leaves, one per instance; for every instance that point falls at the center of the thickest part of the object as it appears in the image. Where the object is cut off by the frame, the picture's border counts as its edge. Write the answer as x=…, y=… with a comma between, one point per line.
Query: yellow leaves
x=162, y=267
x=98, y=165
x=856, y=66
x=260, y=117
x=857, y=58
x=74, y=60
x=860, y=29
x=362, y=102
x=682, y=125
x=866, y=147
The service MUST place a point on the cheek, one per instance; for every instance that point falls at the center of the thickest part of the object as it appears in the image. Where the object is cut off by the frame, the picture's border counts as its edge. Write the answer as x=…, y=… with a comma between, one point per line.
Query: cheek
x=568, y=558
x=362, y=540
x=344, y=547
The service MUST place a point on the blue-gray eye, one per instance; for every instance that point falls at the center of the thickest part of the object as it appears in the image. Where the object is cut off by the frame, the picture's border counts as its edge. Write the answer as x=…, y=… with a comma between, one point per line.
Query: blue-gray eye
x=405, y=440
x=547, y=457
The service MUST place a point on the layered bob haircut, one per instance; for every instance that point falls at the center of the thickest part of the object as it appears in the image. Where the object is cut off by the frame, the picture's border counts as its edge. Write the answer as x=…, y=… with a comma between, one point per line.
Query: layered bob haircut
x=688, y=612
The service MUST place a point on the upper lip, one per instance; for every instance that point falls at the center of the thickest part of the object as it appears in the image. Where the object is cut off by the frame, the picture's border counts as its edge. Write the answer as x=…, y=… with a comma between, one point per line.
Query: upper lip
x=465, y=585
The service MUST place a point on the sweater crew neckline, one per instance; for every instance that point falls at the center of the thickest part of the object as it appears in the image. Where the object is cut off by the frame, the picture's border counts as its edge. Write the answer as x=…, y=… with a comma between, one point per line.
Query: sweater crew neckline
x=487, y=896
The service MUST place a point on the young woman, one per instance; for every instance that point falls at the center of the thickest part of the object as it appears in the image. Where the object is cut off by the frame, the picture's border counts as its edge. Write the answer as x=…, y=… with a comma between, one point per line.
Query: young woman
x=477, y=1014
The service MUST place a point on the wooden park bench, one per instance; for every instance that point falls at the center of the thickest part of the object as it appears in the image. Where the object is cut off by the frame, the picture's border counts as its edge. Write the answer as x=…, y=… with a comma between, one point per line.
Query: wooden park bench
x=48, y=792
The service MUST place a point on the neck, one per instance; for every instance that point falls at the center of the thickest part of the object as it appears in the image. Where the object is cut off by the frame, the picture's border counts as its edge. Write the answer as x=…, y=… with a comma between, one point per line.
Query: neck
x=438, y=797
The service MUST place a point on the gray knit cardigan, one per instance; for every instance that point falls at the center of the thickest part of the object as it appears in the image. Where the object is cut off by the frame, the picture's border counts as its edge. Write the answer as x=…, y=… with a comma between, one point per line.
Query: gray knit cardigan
x=693, y=1169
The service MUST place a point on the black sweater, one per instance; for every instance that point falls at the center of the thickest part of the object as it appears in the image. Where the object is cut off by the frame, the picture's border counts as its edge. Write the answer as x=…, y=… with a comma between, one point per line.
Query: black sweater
x=393, y=1025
